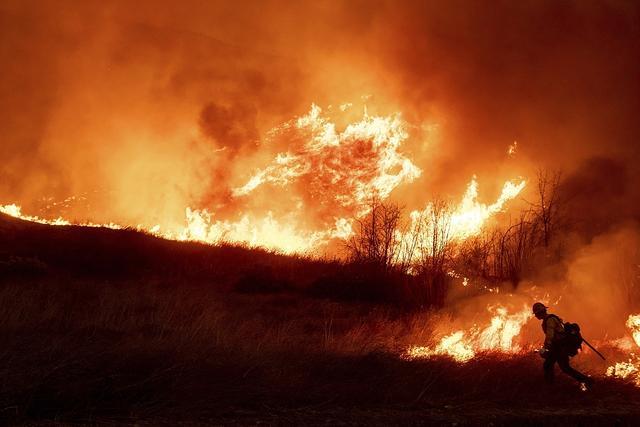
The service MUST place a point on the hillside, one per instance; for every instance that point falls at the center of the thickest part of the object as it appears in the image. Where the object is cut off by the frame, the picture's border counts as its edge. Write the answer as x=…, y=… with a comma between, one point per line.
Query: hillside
x=116, y=327
x=30, y=249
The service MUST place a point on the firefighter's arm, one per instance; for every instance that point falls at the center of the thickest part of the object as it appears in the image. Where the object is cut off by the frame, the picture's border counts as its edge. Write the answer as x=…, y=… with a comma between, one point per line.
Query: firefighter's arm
x=550, y=332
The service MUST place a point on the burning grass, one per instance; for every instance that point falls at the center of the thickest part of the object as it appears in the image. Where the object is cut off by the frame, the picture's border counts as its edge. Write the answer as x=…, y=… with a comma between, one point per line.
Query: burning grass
x=497, y=336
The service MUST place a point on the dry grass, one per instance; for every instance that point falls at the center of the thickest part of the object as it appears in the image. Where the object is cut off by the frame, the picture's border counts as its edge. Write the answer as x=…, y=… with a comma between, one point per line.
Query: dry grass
x=165, y=344
x=148, y=352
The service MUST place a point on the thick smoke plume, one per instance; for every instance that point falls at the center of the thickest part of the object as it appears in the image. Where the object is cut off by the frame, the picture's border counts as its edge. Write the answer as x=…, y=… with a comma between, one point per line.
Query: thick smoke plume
x=137, y=111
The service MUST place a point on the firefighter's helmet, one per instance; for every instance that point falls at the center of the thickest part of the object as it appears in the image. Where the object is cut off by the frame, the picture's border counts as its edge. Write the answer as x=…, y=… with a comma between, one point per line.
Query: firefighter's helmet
x=539, y=308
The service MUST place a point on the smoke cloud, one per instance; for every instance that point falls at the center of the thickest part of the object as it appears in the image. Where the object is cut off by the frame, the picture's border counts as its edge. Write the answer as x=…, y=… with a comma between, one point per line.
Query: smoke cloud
x=145, y=109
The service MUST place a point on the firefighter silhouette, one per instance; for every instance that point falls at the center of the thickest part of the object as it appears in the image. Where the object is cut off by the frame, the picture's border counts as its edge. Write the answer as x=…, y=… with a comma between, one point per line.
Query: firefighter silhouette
x=557, y=347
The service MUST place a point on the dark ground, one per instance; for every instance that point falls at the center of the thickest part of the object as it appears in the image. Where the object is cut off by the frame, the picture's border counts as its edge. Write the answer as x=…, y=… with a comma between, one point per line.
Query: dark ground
x=115, y=327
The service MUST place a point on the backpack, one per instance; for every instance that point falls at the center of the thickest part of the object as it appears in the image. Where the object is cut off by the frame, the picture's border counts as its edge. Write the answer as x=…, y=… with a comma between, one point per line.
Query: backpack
x=571, y=340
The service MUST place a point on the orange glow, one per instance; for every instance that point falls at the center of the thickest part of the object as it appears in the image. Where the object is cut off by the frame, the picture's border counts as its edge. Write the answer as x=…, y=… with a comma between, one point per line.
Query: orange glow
x=630, y=369
x=463, y=345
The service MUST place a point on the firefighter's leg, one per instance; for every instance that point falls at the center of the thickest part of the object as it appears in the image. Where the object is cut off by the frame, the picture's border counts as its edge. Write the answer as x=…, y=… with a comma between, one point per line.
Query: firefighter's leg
x=549, y=366
x=563, y=362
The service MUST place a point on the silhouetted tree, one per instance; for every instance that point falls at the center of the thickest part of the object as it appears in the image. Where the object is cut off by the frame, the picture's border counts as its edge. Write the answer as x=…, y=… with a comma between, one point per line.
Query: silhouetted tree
x=432, y=234
x=376, y=240
x=475, y=255
x=547, y=208
x=516, y=246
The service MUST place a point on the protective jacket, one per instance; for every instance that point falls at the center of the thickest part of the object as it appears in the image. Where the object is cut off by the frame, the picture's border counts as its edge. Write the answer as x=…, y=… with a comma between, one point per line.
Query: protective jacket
x=553, y=330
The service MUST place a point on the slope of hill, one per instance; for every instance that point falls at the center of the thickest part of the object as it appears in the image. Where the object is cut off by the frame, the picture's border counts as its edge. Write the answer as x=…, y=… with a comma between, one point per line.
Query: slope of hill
x=116, y=327
x=32, y=249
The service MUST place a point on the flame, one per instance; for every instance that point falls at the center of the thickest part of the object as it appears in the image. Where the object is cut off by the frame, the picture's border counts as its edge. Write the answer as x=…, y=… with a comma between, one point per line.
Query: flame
x=469, y=217
x=265, y=232
x=500, y=334
x=452, y=345
x=630, y=369
x=463, y=346
x=633, y=323
x=16, y=212
x=626, y=370
x=282, y=234
x=357, y=164
x=336, y=173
